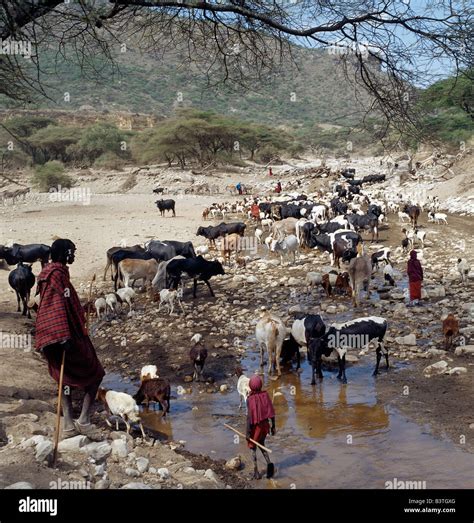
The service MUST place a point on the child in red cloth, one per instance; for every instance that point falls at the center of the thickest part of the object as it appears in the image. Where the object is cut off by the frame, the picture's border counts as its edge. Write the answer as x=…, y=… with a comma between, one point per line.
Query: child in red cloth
x=259, y=411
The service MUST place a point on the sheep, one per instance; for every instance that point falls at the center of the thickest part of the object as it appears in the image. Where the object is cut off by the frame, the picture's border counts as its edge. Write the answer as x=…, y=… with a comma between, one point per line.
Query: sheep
x=127, y=295
x=438, y=217
x=463, y=269
x=268, y=241
x=169, y=297
x=112, y=301
x=156, y=389
x=122, y=405
x=450, y=330
x=312, y=280
x=258, y=235
x=201, y=250
x=243, y=387
x=148, y=372
x=100, y=306
x=402, y=216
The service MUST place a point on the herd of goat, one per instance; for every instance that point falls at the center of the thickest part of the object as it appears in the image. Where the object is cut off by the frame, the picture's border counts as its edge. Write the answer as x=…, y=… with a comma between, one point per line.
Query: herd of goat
x=331, y=222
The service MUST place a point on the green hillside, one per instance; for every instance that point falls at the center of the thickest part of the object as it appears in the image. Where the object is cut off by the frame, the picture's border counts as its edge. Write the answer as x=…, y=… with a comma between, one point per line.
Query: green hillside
x=315, y=91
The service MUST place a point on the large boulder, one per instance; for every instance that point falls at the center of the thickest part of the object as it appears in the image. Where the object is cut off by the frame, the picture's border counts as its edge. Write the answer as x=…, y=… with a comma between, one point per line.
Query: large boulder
x=409, y=339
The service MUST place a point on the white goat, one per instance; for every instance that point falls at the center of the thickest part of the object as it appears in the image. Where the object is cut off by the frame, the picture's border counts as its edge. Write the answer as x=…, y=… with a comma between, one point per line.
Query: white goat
x=438, y=217
x=463, y=269
x=100, y=306
x=122, y=405
x=313, y=279
x=258, y=235
x=113, y=303
x=127, y=295
x=168, y=297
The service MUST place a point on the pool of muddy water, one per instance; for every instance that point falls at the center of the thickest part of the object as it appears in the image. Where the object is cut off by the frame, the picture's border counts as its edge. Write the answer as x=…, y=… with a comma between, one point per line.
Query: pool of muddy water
x=328, y=436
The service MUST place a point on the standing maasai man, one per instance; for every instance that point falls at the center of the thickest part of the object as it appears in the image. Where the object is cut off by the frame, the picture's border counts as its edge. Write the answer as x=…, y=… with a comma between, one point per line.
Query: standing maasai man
x=259, y=411
x=415, y=277
x=61, y=326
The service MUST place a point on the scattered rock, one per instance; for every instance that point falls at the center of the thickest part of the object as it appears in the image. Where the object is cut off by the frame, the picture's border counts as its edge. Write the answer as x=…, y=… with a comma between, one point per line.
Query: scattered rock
x=138, y=486
x=20, y=485
x=409, y=339
x=464, y=349
x=436, y=368
x=457, y=370
x=73, y=444
x=224, y=388
x=44, y=449
x=98, y=450
x=142, y=464
x=163, y=472
x=234, y=463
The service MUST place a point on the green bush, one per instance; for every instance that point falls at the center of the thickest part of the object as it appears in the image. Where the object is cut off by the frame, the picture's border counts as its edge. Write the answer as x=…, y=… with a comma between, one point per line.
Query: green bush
x=109, y=160
x=50, y=176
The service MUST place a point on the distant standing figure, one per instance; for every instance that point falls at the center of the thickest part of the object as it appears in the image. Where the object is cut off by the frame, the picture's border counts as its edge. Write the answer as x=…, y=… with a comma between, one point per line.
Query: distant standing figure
x=415, y=277
x=278, y=188
x=270, y=172
x=239, y=188
x=259, y=411
x=255, y=211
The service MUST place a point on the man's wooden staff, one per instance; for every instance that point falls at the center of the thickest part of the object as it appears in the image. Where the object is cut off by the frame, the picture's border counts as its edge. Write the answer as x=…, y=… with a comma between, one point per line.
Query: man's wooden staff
x=58, y=411
x=89, y=303
x=249, y=439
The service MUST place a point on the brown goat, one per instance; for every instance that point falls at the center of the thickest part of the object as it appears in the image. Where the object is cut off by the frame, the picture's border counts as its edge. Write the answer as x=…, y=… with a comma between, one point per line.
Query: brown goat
x=156, y=389
x=450, y=330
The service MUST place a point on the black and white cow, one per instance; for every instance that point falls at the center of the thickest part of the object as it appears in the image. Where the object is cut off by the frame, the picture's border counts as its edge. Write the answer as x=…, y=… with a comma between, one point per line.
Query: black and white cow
x=354, y=334
x=304, y=329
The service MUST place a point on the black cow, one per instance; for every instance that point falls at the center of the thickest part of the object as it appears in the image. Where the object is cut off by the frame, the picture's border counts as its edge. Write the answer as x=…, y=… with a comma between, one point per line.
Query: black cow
x=354, y=334
x=348, y=173
x=197, y=268
x=338, y=207
x=289, y=211
x=331, y=226
x=29, y=253
x=159, y=190
x=266, y=208
x=368, y=222
x=113, y=250
x=167, y=249
x=166, y=205
x=21, y=280
x=6, y=254
x=355, y=183
x=212, y=233
x=306, y=232
x=373, y=178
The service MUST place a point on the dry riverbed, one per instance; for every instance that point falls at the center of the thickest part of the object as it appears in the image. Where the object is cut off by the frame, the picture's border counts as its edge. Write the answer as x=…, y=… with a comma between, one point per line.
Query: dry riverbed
x=187, y=455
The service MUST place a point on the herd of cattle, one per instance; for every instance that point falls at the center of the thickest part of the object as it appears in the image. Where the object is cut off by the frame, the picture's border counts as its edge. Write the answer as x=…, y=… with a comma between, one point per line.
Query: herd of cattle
x=331, y=222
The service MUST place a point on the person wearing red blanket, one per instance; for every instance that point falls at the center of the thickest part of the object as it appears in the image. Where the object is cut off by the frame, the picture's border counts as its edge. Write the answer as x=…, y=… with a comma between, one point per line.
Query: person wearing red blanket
x=61, y=326
x=415, y=277
x=259, y=411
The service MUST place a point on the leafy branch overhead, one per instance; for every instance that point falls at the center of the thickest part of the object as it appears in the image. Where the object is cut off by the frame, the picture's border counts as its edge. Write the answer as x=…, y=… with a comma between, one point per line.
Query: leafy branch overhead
x=386, y=46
